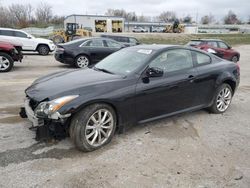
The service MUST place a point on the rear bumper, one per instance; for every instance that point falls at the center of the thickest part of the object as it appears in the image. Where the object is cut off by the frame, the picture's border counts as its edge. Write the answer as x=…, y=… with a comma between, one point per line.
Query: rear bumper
x=61, y=58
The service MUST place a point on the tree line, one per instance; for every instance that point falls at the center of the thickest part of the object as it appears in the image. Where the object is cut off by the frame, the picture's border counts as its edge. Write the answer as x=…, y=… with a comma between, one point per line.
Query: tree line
x=26, y=15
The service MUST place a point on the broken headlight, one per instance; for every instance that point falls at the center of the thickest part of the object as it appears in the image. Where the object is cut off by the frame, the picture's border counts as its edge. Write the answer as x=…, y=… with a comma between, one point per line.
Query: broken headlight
x=49, y=109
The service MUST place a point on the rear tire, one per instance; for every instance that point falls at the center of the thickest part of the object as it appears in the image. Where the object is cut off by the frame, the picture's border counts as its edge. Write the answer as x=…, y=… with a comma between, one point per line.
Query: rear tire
x=6, y=62
x=82, y=61
x=43, y=49
x=93, y=127
x=222, y=99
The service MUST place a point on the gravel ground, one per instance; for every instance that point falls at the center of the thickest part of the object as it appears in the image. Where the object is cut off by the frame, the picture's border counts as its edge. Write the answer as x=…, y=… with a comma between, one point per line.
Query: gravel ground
x=195, y=150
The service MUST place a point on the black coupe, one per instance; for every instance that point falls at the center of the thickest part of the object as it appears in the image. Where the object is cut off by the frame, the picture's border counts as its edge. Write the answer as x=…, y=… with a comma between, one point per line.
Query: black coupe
x=134, y=85
x=85, y=52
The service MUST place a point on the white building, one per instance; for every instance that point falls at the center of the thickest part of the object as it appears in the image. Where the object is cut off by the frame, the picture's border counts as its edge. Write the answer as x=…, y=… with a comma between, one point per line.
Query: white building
x=97, y=23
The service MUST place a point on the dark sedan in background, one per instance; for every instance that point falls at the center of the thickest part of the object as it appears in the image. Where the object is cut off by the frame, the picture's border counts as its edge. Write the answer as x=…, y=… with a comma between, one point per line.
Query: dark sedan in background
x=217, y=47
x=124, y=40
x=86, y=51
x=134, y=85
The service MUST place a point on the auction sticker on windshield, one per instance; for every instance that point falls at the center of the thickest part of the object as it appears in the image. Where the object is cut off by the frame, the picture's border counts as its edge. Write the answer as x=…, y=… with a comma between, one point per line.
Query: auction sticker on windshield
x=145, y=51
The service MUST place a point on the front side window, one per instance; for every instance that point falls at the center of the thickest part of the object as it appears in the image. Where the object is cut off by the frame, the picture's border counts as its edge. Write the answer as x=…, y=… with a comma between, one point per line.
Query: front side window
x=223, y=45
x=173, y=60
x=20, y=34
x=7, y=33
x=112, y=44
x=202, y=58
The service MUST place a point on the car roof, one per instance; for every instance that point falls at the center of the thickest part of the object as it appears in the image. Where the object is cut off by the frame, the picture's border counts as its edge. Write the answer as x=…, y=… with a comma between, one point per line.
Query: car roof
x=3, y=28
x=156, y=46
x=103, y=35
x=206, y=40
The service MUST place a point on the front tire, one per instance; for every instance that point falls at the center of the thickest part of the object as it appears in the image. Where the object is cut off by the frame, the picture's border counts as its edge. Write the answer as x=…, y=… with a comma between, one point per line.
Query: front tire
x=235, y=59
x=6, y=62
x=93, y=127
x=43, y=50
x=222, y=99
x=82, y=61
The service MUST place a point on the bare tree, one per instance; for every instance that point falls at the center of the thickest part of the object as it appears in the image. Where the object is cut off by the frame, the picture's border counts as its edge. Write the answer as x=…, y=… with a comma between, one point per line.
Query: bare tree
x=21, y=14
x=167, y=16
x=231, y=18
x=43, y=13
x=4, y=17
x=207, y=19
x=129, y=16
x=248, y=21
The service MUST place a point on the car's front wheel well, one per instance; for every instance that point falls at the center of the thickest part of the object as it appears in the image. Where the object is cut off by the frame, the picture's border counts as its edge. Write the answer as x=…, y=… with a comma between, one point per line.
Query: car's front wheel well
x=83, y=54
x=231, y=83
x=42, y=44
x=118, y=117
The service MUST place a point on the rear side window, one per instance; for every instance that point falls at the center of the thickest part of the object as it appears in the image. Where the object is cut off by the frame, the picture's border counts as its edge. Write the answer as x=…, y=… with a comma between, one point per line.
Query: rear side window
x=20, y=34
x=122, y=39
x=94, y=43
x=133, y=40
x=7, y=33
x=201, y=58
x=194, y=42
x=112, y=44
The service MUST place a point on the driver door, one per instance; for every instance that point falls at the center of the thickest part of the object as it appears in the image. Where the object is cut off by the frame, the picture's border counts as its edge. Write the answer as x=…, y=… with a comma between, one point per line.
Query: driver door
x=173, y=92
x=27, y=42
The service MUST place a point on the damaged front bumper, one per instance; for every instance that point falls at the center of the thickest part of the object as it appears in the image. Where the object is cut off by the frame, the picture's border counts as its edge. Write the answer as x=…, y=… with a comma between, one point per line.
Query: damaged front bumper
x=45, y=128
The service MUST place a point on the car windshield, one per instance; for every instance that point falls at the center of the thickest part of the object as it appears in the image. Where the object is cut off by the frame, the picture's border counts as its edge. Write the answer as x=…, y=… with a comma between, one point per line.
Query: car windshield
x=194, y=42
x=124, y=61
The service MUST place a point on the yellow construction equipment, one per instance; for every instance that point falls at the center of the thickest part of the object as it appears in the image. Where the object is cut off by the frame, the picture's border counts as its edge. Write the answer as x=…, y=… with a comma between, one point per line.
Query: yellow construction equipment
x=175, y=28
x=72, y=32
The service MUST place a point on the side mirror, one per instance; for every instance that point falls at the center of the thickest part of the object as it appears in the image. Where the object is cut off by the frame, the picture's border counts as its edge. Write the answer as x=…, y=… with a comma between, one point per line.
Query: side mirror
x=229, y=47
x=29, y=37
x=154, y=72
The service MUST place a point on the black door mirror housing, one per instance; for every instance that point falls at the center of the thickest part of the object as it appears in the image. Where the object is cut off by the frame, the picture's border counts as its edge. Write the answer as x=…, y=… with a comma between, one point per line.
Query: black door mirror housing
x=154, y=72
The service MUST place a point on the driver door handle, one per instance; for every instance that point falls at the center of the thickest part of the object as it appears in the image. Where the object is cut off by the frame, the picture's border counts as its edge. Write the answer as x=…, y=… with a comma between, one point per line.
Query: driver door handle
x=191, y=78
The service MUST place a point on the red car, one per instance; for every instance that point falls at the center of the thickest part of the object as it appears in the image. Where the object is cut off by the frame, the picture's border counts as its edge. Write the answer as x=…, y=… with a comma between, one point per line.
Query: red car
x=217, y=47
x=9, y=53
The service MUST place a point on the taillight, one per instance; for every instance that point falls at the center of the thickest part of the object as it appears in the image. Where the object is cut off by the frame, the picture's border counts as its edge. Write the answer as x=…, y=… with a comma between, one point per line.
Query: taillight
x=60, y=49
x=238, y=67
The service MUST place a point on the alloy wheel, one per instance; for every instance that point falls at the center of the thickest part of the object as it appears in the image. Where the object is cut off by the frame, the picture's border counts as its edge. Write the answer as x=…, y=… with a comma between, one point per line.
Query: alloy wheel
x=99, y=127
x=4, y=63
x=82, y=62
x=235, y=59
x=224, y=99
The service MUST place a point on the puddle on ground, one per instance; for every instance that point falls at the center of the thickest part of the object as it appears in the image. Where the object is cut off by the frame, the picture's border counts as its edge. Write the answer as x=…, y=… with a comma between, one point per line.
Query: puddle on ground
x=244, y=88
x=10, y=110
x=11, y=119
x=31, y=153
x=176, y=130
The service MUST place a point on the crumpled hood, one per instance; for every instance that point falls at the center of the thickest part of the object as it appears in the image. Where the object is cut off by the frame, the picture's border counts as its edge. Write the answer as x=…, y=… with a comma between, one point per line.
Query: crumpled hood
x=68, y=83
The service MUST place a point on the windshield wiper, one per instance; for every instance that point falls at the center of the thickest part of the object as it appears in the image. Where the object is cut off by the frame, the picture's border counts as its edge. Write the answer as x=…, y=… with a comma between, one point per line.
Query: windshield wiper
x=103, y=70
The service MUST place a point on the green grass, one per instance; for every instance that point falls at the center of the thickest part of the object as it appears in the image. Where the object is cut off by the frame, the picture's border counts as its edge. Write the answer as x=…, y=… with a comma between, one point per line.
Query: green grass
x=232, y=39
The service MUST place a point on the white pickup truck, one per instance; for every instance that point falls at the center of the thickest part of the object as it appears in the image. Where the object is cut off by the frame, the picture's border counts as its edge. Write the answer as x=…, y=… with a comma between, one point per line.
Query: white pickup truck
x=29, y=42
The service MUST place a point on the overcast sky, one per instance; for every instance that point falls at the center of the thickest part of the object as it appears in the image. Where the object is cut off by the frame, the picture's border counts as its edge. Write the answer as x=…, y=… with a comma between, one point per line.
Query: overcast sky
x=146, y=7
